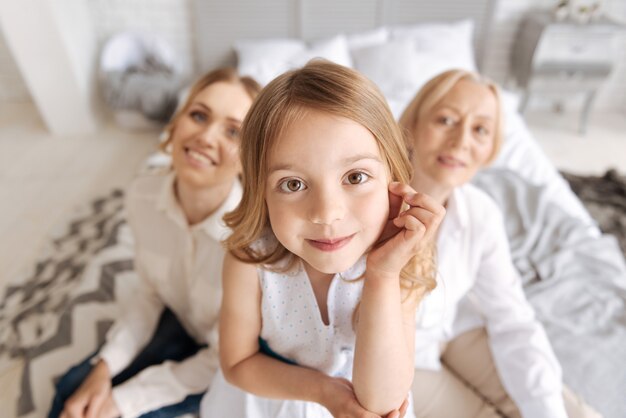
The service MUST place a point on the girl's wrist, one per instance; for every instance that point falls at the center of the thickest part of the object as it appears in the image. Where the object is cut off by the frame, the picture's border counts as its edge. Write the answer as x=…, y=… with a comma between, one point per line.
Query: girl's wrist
x=322, y=391
x=382, y=277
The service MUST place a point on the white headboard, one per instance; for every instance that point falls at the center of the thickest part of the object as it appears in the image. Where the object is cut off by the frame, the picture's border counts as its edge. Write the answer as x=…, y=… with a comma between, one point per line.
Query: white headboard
x=219, y=23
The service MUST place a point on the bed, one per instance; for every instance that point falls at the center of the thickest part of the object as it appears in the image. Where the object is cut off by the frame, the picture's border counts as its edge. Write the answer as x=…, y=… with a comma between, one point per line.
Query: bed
x=574, y=275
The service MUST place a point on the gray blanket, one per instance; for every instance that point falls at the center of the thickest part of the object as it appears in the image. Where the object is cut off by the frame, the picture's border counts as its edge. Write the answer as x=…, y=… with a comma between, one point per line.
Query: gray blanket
x=575, y=278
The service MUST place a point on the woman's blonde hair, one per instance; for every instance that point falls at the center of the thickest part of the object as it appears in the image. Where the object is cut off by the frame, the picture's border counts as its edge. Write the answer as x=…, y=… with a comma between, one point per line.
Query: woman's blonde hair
x=434, y=91
x=319, y=86
x=226, y=74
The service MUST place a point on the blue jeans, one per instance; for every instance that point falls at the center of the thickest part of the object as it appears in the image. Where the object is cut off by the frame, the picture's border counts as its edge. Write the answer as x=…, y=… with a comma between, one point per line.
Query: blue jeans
x=170, y=342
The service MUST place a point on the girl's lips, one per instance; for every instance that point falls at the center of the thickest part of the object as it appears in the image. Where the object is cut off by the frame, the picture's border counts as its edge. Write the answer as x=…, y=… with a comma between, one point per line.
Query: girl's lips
x=330, y=244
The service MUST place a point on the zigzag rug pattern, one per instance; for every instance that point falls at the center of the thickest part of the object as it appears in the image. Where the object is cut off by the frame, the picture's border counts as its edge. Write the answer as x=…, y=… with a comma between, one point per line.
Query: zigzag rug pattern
x=62, y=310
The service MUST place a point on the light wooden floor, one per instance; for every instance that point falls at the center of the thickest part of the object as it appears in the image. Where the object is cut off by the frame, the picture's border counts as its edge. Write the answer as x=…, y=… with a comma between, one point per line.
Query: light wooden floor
x=603, y=147
x=43, y=178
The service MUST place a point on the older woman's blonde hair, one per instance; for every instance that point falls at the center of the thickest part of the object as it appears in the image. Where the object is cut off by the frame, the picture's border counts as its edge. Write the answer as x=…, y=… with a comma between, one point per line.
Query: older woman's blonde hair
x=431, y=94
x=336, y=90
x=226, y=74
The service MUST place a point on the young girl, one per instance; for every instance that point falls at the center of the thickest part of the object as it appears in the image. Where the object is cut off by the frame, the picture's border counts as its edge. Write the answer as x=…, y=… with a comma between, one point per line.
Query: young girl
x=155, y=361
x=479, y=310
x=323, y=271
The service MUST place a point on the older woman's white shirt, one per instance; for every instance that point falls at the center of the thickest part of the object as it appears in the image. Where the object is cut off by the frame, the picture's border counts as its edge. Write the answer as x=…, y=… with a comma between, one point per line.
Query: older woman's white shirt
x=179, y=267
x=479, y=286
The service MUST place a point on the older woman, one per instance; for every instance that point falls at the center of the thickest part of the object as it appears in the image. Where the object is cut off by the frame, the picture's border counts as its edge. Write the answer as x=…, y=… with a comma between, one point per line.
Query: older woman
x=159, y=358
x=480, y=350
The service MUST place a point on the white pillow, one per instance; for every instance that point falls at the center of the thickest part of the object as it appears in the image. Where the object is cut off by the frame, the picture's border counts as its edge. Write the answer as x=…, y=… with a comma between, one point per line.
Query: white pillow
x=250, y=52
x=368, y=38
x=452, y=42
x=389, y=65
x=266, y=59
x=398, y=70
x=333, y=49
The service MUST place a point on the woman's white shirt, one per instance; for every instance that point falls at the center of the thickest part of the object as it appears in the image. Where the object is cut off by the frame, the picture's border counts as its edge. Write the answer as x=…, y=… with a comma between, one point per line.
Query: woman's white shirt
x=179, y=267
x=479, y=286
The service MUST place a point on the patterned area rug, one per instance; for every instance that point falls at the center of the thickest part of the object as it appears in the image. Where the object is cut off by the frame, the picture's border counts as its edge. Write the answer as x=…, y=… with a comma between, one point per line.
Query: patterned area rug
x=62, y=309
x=64, y=306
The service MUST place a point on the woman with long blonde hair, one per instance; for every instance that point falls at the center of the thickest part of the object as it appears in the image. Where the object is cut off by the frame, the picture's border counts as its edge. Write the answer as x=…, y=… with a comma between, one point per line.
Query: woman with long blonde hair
x=329, y=257
x=160, y=356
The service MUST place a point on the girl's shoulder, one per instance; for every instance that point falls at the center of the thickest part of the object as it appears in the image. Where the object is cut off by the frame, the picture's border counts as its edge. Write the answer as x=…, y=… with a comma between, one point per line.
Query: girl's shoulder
x=266, y=243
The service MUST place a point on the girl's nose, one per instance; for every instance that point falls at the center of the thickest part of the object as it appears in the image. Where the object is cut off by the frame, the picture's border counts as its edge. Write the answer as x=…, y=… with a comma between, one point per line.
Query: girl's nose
x=327, y=206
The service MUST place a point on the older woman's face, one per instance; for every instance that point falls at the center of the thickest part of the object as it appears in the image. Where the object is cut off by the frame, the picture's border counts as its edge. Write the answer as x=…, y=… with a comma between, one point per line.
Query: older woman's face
x=205, y=139
x=456, y=138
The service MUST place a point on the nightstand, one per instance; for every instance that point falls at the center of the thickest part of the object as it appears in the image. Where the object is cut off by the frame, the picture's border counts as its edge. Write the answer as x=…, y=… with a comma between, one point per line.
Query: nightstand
x=563, y=58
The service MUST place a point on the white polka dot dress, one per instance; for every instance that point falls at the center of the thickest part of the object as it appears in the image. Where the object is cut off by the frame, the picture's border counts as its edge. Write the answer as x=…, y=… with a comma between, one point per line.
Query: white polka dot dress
x=293, y=329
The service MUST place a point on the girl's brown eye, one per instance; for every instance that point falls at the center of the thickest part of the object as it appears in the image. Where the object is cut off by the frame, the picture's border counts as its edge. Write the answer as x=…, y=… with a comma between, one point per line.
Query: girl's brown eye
x=291, y=186
x=357, y=177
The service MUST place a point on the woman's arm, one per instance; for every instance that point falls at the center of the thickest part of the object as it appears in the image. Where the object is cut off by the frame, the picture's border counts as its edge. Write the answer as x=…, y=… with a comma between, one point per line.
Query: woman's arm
x=384, y=356
x=165, y=384
x=526, y=363
x=132, y=331
x=124, y=341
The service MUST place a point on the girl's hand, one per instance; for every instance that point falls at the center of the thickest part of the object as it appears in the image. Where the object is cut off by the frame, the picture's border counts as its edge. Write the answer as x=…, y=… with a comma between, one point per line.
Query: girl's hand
x=342, y=402
x=93, y=399
x=406, y=232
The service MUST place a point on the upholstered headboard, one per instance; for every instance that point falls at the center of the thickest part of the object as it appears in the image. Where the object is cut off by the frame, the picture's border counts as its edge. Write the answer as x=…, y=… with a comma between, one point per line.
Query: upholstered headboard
x=219, y=23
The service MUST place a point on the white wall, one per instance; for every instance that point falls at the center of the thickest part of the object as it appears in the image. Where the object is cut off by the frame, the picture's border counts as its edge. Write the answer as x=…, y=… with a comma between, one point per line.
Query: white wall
x=173, y=21
x=55, y=51
x=170, y=19
x=12, y=86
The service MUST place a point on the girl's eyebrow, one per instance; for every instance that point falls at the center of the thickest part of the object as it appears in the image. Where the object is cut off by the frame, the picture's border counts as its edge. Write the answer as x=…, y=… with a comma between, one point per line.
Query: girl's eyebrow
x=347, y=161
x=359, y=157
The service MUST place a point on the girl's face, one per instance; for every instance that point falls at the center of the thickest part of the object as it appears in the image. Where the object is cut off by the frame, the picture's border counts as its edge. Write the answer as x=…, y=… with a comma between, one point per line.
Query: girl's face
x=326, y=190
x=205, y=139
x=456, y=138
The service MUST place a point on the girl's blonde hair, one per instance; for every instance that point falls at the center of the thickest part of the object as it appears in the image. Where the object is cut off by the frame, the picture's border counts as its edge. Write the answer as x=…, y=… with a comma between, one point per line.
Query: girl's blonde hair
x=226, y=74
x=330, y=88
x=434, y=91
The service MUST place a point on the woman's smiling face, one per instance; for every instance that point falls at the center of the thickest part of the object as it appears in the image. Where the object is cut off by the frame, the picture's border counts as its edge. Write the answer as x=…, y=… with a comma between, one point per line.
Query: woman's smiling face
x=205, y=139
x=457, y=136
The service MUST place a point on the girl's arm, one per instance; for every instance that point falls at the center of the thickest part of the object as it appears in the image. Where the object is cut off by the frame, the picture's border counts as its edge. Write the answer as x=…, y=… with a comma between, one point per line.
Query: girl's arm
x=242, y=363
x=384, y=356
x=247, y=368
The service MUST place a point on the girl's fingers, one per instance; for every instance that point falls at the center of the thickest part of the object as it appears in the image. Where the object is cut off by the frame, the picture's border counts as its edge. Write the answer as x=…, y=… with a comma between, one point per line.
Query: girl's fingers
x=395, y=203
x=409, y=223
x=432, y=210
